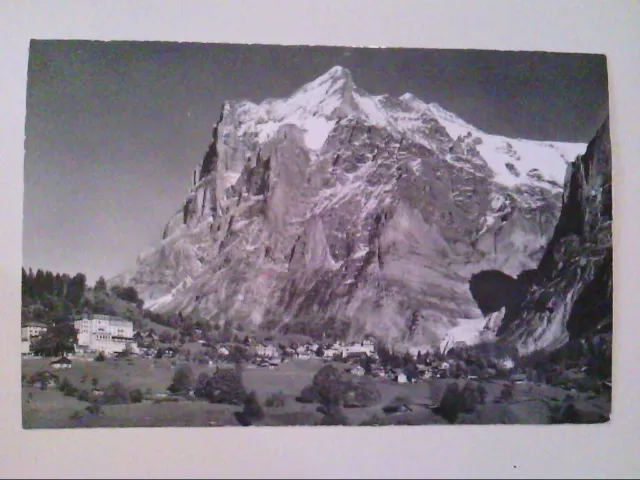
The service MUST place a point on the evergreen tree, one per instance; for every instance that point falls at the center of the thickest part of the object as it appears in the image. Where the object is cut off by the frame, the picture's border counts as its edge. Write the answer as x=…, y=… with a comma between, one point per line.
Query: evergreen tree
x=76, y=288
x=48, y=282
x=101, y=285
x=38, y=283
x=25, y=284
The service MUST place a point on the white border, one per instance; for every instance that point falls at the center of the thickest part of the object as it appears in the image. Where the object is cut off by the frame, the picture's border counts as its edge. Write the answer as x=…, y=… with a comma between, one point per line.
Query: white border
x=592, y=26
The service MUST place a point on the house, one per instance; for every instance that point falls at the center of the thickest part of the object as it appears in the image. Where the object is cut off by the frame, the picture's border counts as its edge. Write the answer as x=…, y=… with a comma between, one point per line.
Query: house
x=223, y=351
x=25, y=347
x=33, y=330
x=331, y=352
x=358, y=371
x=304, y=356
x=356, y=357
x=267, y=350
x=103, y=333
x=61, y=363
x=367, y=348
x=519, y=378
x=398, y=376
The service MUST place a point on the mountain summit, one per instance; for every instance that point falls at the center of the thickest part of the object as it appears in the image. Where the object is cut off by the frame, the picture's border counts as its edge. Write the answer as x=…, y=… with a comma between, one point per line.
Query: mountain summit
x=342, y=213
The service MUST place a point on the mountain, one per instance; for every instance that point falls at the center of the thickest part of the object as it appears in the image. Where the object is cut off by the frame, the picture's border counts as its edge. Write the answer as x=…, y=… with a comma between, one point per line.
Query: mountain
x=342, y=213
x=570, y=294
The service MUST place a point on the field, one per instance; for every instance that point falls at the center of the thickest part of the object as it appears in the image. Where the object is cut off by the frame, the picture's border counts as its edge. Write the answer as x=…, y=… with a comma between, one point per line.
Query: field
x=51, y=409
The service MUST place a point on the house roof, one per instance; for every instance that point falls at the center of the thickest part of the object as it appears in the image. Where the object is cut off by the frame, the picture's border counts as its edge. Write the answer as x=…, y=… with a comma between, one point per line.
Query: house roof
x=35, y=324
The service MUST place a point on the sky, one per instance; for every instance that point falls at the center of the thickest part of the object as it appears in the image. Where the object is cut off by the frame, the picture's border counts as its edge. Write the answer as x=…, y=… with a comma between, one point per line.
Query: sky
x=114, y=130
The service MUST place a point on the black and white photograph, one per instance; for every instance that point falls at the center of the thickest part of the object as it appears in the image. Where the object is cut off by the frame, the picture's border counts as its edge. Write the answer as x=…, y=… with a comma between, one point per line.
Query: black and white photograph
x=238, y=235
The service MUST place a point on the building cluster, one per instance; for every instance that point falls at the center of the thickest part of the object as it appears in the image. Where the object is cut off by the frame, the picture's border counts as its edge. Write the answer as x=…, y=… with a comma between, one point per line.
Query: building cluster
x=30, y=334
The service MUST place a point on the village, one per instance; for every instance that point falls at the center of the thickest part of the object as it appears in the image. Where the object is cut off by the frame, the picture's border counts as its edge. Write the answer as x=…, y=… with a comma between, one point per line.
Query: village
x=102, y=336
x=112, y=365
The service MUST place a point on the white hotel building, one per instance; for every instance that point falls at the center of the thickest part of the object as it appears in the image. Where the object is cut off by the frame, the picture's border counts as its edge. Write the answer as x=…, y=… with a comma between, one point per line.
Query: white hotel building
x=103, y=333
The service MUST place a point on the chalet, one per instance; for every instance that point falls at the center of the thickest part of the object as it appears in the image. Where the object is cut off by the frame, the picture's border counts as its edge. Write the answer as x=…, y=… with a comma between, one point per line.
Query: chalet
x=61, y=363
x=267, y=350
x=397, y=376
x=366, y=348
x=33, y=330
x=331, y=352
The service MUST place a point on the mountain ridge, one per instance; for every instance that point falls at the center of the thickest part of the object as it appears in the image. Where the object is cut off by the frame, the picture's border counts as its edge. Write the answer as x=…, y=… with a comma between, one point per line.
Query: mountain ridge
x=352, y=212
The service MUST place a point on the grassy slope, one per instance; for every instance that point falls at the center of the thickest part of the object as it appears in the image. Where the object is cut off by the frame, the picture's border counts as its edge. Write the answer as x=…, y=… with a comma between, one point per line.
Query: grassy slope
x=50, y=409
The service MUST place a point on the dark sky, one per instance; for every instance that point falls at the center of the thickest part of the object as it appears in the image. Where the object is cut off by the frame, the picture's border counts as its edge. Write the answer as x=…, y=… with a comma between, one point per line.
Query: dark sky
x=115, y=129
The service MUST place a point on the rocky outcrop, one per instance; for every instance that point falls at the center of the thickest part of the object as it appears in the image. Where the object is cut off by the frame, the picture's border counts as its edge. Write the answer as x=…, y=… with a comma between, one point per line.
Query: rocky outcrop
x=571, y=294
x=337, y=212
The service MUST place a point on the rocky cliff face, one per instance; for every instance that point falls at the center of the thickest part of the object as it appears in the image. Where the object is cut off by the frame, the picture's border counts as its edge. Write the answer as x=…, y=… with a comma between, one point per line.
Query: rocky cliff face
x=571, y=293
x=334, y=211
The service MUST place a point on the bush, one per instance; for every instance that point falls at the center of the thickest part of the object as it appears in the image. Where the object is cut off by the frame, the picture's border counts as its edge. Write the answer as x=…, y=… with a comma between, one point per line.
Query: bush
x=469, y=397
x=115, y=394
x=225, y=386
x=136, y=396
x=100, y=357
x=482, y=394
x=308, y=395
x=67, y=388
x=506, y=394
x=275, y=400
x=252, y=409
x=451, y=403
x=328, y=386
x=94, y=409
x=84, y=395
x=359, y=394
x=77, y=415
x=182, y=379
x=64, y=385
x=94, y=382
x=334, y=416
x=203, y=378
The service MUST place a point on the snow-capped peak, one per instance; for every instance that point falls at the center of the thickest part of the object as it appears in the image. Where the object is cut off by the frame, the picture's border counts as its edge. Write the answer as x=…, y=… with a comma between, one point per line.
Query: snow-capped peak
x=318, y=105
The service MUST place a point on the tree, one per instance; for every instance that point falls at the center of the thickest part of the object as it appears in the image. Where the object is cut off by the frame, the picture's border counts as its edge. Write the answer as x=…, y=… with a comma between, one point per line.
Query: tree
x=320, y=351
x=136, y=396
x=327, y=384
x=225, y=386
x=226, y=334
x=252, y=409
x=101, y=285
x=202, y=380
x=57, y=340
x=451, y=403
x=182, y=379
x=333, y=416
x=76, y=288
x=482, y=394
x=166, y=337
x=115, y=394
